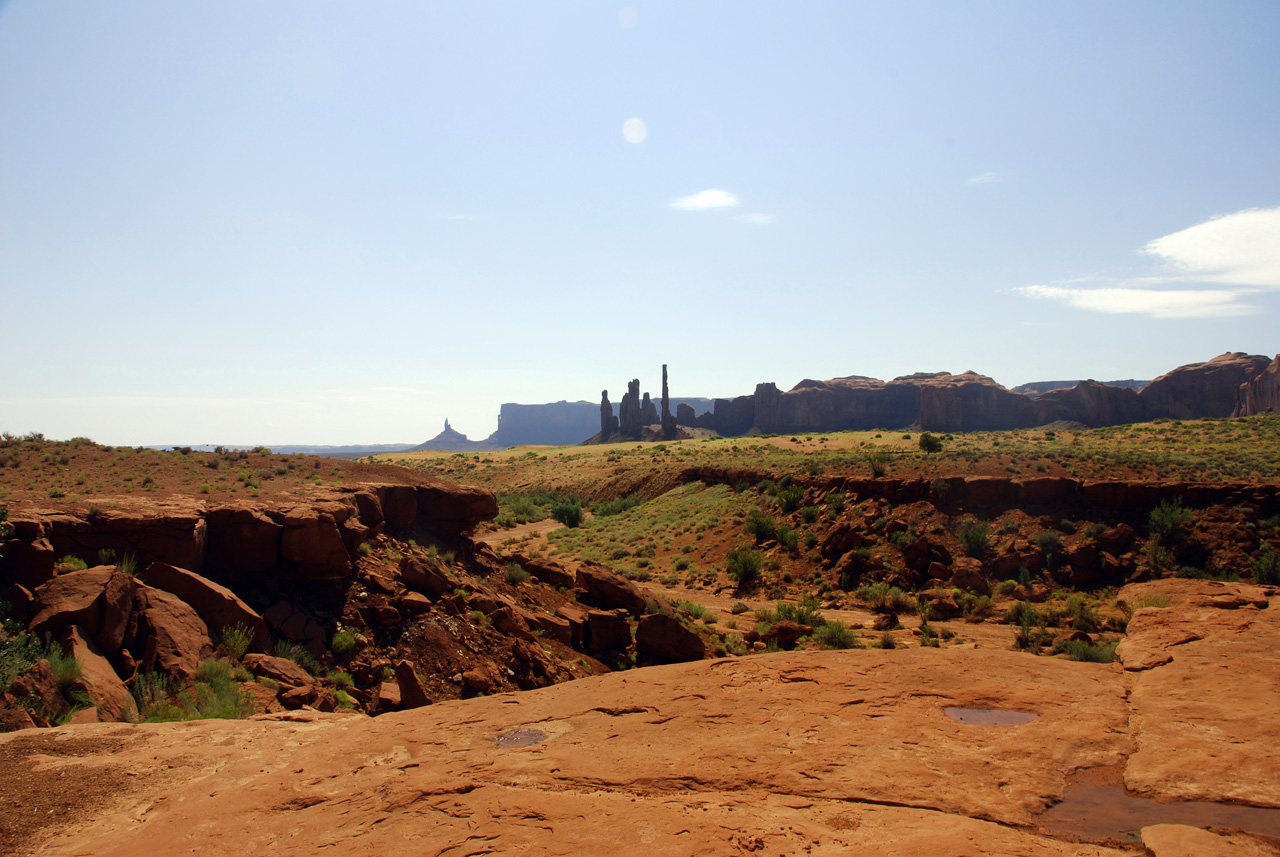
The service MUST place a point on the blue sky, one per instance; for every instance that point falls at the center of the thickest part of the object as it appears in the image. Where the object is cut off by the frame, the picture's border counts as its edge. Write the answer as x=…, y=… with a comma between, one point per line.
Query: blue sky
x=319, y=222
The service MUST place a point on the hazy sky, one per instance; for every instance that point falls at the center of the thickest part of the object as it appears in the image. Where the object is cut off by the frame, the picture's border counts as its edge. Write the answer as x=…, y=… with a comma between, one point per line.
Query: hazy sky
x=313, y=222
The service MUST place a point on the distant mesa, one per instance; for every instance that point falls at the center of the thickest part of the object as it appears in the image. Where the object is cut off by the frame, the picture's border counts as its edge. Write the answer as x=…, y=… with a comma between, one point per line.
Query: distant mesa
x=1232, y=384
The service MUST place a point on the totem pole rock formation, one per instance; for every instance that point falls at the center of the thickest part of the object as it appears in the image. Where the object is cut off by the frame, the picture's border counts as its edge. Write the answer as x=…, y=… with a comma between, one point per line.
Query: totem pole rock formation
x=668, y=421
x=608, y=422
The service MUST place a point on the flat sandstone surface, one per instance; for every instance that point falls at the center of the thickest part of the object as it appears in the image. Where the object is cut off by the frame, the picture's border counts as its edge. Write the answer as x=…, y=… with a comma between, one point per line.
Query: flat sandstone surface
x=790, y=753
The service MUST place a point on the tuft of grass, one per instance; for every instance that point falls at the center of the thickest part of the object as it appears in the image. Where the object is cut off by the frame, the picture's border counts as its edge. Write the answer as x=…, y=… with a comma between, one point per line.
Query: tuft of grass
x=1078, y=650
x=343, y=642
x=835, y=635
x=236, y=639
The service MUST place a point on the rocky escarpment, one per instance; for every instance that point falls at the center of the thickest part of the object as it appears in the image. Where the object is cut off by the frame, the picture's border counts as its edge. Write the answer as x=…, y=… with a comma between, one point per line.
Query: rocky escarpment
x=1234, y=384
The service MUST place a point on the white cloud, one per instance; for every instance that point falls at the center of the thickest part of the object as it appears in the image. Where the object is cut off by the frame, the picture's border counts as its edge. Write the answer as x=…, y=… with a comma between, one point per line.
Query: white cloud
x=1157, y=303
x=705, y=200
x=1241, y=249
x=983, y=178
x=756, y=219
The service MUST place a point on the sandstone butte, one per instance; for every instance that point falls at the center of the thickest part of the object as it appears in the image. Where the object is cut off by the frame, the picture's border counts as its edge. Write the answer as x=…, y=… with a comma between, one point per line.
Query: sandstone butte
x=791, y=753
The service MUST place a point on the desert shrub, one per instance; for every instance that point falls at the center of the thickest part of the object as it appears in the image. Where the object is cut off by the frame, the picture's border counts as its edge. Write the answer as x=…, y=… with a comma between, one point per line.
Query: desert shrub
x=887, y=641
x=902, y=539
x=514, y=574
x=1007, y=526
x=973, y=537
x=1006, y=587
x=343, y=642
x=760, y=526
x=929, y=443
x=153, y=693
x=803, y=613
x=882, y=598
x=70, y=563
x=788, y=538
x=1083, y=618
x=835, y=502
x=297, y=654
x=19, y=651
x=835, y=635
x=681, y=564
x=340, y=678
x=1079, y=650
x=879, y=463
x=1266, y=567
x=606, y=508
x=1094, y=530
x=809, y=514
x=215, y=694
x=743, y=565
x=568, y=512
x=697, y=611
x=1158, y=558
x=975, y=606
x=1049, y=542
x=1167, y=520
x=236, y=639
x=790, y=498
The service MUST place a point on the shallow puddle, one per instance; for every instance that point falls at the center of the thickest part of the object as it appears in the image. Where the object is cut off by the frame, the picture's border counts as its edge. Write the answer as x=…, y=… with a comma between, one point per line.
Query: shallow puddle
x=988, y=716
x=1098, y=812
x=520, y=738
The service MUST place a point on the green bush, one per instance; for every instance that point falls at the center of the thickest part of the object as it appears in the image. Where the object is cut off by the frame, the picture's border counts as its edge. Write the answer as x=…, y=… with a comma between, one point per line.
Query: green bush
x=1078, y=650
x=743, y=565
x=614, y=507
x=236, y=639
x=343, y=642
x=790, y=498
x=788, y=538
x=803, y=613
x=835, y=635
x=929, y=443
x=880, y=597
x=1266, y=567
x=879, y=463
x=1167, y=520
x=973, y=538
x=568, y=512
x=760, y=526
x=514, y=574
x=1049, y=542
x=809, y=514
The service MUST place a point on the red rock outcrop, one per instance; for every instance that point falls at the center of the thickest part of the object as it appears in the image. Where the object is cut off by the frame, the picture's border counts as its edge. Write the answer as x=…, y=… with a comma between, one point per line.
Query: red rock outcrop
x=169, y=637
x=1091, y=404
x=99, y=600
x=1211, y=389
x=216, y=605
x=1261, y=394
x=98, y=679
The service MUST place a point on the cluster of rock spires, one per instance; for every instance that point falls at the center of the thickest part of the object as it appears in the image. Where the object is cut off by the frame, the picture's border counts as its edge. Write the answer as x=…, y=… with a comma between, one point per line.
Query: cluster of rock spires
x=637, y=416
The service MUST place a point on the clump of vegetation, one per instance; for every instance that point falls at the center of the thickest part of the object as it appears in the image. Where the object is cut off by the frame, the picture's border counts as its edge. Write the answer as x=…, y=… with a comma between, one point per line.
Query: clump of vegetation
x=1266, y=567
x=880, y=597
x=215, y=694
x=1079, y=650
x=973, y=538
x=606, y=508
x=929, y=444
x=344, y=641
x=743, y=565
x=236, y=639
x=835, y=635
x=514, y=573
x=568, y=512
x=760, y=526
x=1167, y=520
x=790, y=498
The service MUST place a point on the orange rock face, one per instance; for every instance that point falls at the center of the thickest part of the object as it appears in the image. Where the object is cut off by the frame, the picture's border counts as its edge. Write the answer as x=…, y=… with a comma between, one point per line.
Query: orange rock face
x=790, y=753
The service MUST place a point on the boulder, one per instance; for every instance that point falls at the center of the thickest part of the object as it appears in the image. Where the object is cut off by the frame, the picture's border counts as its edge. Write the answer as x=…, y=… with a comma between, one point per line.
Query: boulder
x=608, y=630
x=388, y=698
x=546, y=571
x=483, y=677
x=218, y=606
x=98, y=680
x=966, y=573
x=98, y=599
x=412, y=694
x=1116, y=540
x=942, y=604
x=451, y=510
x=173, y=639
x=552, y=627
x=785, y=634
x=282, y=670
x=604, y=588
x=665, y=637
x=38, y=692
x=427, y=576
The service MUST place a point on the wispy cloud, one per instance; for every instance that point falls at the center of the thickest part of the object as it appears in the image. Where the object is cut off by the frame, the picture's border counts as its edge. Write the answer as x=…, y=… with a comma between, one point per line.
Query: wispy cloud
x=1240, y=250
x=756, y=219
x=705, y=200
x=1157, y=303
x=983, y=178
